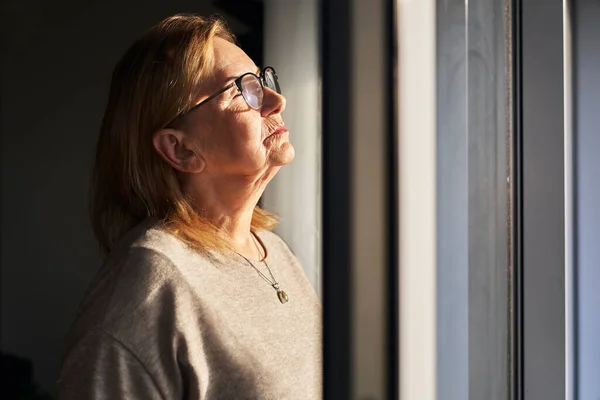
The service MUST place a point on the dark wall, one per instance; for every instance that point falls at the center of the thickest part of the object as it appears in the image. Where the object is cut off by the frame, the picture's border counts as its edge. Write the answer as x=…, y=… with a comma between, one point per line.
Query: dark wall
x=57, y=58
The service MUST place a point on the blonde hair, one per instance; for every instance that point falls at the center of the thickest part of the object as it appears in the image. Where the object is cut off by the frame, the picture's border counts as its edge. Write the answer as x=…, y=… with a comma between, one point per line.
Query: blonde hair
x=156, y=79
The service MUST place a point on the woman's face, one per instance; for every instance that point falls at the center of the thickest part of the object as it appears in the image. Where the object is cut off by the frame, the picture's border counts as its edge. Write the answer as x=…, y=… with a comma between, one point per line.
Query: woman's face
x=229, y=135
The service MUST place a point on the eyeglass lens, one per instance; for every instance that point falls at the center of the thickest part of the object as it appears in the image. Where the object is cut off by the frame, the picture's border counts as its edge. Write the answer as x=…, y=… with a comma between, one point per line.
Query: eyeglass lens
x=271, y=80
x=252, y=89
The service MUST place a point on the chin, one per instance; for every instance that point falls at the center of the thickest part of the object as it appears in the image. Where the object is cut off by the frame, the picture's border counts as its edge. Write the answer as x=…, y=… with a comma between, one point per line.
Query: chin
x=284, y=155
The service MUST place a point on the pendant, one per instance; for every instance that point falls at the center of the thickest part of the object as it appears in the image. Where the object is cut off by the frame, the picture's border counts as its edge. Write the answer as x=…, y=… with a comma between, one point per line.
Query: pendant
x=283, y=297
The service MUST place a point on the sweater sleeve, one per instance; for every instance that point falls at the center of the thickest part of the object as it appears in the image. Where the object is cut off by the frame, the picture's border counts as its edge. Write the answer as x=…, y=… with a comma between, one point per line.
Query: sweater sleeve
x=100, y=367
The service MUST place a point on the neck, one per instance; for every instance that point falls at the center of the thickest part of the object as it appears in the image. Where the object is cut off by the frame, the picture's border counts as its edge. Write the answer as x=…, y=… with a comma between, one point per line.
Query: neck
x=228, y=202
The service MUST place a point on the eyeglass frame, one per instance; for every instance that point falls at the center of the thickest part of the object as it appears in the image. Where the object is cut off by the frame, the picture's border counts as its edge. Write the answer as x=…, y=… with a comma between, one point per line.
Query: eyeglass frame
x=237, y=82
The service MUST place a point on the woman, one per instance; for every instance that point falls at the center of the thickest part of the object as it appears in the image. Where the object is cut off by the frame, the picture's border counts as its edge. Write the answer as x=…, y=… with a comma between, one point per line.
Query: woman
x=197, y=299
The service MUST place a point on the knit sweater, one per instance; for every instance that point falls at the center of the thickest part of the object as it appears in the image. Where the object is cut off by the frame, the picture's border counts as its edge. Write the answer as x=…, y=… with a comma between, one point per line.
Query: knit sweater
x=161, y=321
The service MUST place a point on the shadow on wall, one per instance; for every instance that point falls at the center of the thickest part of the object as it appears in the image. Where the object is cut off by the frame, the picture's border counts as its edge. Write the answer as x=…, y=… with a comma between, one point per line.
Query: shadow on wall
x=17, y=379
x=56, y=62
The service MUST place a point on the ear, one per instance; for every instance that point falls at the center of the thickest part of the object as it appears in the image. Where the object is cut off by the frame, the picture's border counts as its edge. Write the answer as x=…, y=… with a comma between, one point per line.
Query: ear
x=170, y=145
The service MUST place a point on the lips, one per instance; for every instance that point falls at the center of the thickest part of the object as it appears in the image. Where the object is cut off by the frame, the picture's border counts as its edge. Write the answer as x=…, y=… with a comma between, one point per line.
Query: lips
x=278, y=131
x=281, y=129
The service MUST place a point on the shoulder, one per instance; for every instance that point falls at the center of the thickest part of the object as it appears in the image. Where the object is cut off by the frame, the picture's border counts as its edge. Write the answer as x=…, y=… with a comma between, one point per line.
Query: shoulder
x=137, y=307
x=149, y=265
x=138, y=285
x=124, y=289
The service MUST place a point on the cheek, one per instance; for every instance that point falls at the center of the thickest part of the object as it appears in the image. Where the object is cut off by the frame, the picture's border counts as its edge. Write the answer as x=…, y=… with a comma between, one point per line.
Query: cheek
x=243, y=131
x=247, y=123
x=237, y=138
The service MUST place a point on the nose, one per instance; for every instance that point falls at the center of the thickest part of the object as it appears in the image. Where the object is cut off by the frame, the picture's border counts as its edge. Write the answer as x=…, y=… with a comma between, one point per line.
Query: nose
x=273, y=103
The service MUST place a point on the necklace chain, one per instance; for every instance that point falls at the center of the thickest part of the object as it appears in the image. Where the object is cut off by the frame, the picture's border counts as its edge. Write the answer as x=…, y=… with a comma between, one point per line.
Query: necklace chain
x=281, y=295
x=272, y=283
x=261, y=257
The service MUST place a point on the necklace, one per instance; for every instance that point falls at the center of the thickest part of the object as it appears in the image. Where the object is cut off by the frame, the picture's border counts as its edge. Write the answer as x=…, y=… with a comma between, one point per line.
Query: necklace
x=281, y=295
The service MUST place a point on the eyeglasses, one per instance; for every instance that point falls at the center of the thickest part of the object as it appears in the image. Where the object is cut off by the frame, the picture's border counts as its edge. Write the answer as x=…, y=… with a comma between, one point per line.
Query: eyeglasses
x=250, y=86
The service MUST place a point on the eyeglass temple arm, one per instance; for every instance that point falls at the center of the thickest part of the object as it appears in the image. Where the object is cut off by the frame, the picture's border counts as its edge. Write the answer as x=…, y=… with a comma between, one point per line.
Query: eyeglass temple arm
x=209, y=98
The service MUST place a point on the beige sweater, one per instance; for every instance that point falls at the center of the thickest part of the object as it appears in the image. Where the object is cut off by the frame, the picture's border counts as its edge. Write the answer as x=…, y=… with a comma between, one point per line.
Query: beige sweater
x=162, y=322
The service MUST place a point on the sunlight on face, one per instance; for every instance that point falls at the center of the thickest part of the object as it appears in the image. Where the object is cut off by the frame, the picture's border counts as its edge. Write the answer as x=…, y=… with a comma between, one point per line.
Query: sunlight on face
x=231, y=136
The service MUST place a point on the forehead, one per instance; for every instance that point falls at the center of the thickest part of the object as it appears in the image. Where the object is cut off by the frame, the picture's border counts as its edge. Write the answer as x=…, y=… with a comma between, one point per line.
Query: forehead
x=229, y=61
